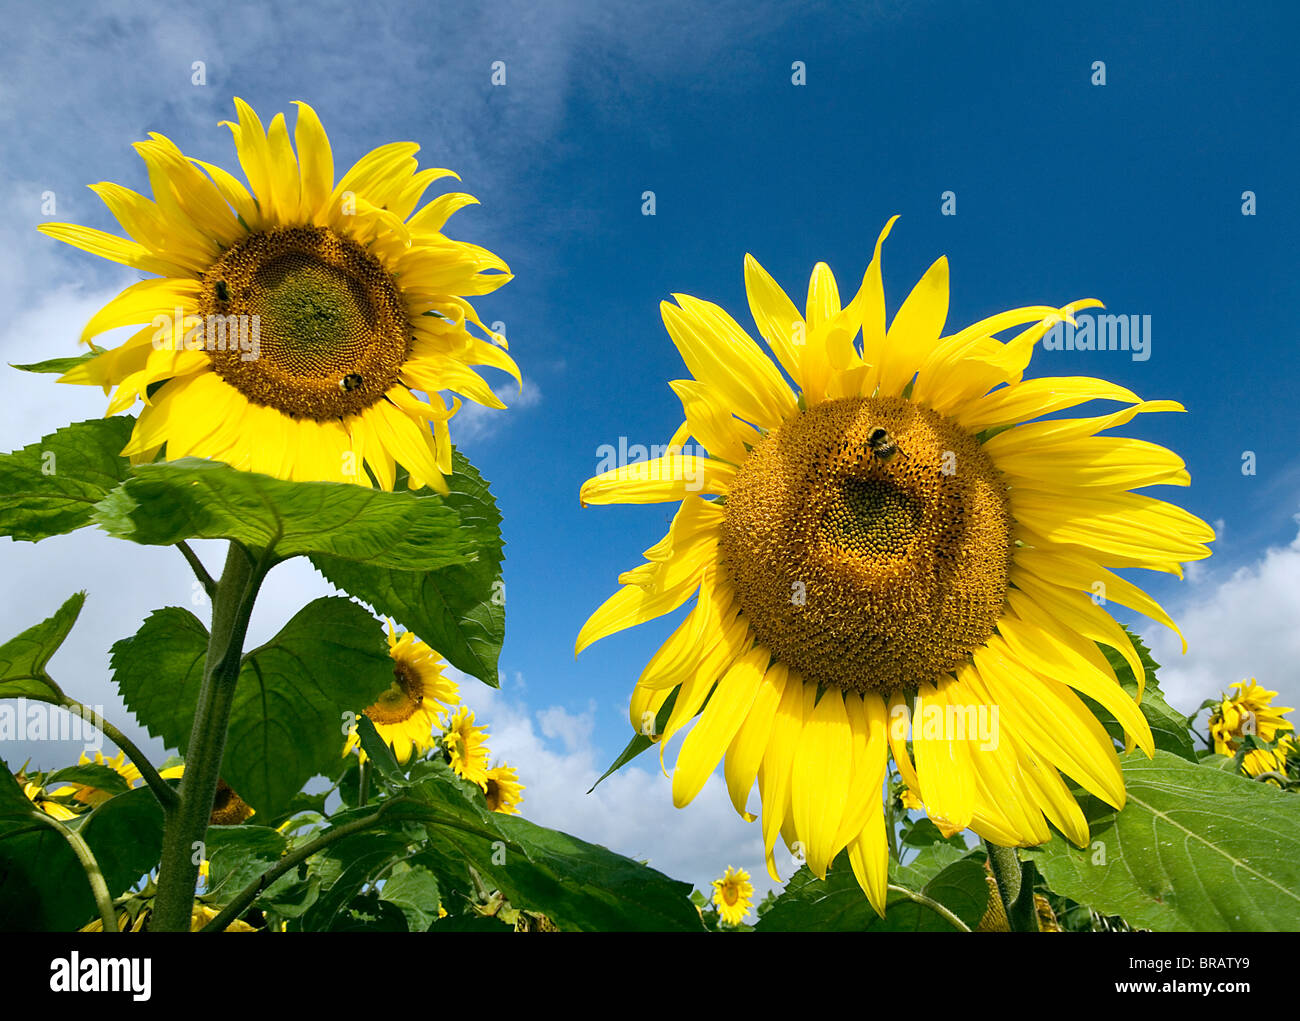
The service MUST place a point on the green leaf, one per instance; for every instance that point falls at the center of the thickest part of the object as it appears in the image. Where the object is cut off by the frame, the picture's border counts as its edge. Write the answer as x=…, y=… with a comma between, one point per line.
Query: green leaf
x=237, y=855
x=413, y=889
x=1169, y=727
x=159, y=670
x=923, y=832
x=23, y=659
x=58, y=365
x=168, y=502
x=1195, y=849
x=458, y=610
x=286, y=720
x=588, y=887
x=355, y=859
x=577, y=885
x=838, y=904
x=51, y=487
x=380, y=754
x=125, y=833
x=640, y=742
x=43, y=887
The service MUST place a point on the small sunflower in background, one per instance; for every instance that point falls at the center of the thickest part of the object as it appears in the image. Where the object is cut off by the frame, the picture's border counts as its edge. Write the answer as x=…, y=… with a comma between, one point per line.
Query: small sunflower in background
x=892, y=527
x=124, y=768
x=733, y=894
x=1249, y=711
x=503, y=791
x=1263, y=761
x=466, y=746
x=406, y=715
x=292, y=322
x=228, y=808
x=48, y=802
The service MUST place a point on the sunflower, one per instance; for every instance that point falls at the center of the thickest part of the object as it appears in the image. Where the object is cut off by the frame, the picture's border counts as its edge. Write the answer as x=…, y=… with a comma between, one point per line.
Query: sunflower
x=504, y=791
x=124, y=768
x=733, y=894
x=405, y=715
x=895, y=533
x=228, y=808
x=467, y=747
x=292, y=322
x=1249, y=711
x=47, y=802
x=1264, y=760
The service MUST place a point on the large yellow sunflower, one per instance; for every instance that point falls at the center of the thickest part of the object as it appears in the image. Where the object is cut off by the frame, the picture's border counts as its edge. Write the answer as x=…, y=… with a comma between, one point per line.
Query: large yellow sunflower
x=405, y=715
x=891, y=534
x=292, y=322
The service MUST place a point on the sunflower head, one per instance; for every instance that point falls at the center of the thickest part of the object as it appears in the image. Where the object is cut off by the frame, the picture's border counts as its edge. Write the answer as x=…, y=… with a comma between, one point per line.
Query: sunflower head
x=406, y=714
x=1249, y=711
x=732, y=894
x=877, y=533
x=293, y=322
x=466, y=746
x=504, y=792
x=228, y=808
x=1264, y=760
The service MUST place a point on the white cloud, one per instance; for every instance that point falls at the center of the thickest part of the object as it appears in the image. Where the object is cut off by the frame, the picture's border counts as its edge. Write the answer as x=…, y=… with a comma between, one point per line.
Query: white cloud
x=1245, y=626
x=475, y=424
x=630, y=812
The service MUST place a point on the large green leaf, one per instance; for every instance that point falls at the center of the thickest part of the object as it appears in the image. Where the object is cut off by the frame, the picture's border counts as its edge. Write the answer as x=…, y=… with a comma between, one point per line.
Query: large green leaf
x=237, y=855
x=1195, y=848
x=577, y=885
x=165, y=503
x=159, y=670
x=1169, y=727
x=458, y=610
x=23, y=659
x=413, y=889
x=286, y=723
x=42, y=884
x=837, y=903
x=51, y=487
x=348, y=866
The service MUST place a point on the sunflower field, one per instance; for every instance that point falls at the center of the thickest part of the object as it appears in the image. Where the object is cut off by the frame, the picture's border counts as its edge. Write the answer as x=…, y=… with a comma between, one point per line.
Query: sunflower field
x=896, y=560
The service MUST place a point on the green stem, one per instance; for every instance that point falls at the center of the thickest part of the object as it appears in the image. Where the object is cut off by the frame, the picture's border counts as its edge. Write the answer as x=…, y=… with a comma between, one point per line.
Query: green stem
x=363, y=783
x=164, y=792
x=187, y=824
x=200, y=572
x=933, y=905
x=98, y=888
x=1015, y=887
x=245, y=898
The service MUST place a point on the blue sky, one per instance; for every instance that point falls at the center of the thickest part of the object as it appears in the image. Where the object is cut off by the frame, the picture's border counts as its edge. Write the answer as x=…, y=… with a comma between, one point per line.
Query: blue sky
x=1130, y=192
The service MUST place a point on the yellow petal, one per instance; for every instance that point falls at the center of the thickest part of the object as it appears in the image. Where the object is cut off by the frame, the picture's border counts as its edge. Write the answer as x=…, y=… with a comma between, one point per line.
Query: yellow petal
x=722, y=716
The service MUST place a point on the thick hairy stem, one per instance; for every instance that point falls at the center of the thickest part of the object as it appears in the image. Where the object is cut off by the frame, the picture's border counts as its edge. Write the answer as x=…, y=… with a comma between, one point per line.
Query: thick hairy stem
x=187, y=824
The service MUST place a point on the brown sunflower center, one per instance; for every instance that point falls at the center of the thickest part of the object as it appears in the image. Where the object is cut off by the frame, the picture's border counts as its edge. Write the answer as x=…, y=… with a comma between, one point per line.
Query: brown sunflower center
x=493, y=794
x=228, y=808
x=403, y=697
x=305, y=321
x=730, y=894
x=868, y=541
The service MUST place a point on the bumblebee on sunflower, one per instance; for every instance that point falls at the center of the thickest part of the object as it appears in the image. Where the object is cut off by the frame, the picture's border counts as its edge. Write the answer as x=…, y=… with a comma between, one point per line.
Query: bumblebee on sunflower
x=346, y=301
x=884, y=521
